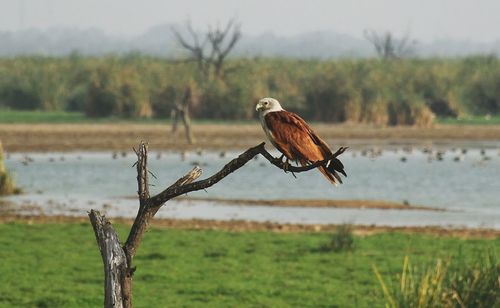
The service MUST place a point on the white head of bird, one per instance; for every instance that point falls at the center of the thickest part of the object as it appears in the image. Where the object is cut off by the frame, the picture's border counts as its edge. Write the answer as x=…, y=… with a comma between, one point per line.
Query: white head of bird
x=268, y=104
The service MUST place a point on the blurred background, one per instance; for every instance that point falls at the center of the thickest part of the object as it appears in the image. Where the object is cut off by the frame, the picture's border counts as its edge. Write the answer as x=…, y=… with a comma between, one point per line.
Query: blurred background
x=384, y=62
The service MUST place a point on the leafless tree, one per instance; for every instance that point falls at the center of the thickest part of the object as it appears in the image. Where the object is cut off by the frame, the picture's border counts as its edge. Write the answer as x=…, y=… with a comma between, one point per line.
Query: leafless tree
x=117, y=259
x=196, y=47
x=389, y=47
x=210, y=50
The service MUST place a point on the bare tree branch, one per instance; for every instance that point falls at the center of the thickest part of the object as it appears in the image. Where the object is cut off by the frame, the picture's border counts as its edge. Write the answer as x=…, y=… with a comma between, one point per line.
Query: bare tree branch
x=174, y=191
x=217, y=38
x=118, y=260
x=196, y=49
x=221, y=42
x=388, y=47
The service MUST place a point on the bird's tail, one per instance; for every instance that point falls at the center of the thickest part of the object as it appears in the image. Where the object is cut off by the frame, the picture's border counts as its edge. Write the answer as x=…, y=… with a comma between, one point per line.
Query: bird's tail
x=332, y=170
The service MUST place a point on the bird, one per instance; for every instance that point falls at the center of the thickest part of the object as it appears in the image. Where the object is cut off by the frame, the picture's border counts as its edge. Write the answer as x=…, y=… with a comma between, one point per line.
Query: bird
x=296, y=140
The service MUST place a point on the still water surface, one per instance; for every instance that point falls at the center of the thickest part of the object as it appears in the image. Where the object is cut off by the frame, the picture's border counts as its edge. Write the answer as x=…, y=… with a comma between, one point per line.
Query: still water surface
x=466, y=185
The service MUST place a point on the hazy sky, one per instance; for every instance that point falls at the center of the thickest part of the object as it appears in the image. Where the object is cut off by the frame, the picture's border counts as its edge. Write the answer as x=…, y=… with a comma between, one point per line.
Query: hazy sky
x=426, y=19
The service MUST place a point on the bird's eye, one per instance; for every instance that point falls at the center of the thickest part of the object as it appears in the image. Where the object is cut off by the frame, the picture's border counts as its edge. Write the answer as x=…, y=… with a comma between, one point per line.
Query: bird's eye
x=266, y=103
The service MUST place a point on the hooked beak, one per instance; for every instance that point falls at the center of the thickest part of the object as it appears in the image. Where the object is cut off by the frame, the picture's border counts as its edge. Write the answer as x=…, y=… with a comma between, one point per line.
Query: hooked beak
x=259, y=107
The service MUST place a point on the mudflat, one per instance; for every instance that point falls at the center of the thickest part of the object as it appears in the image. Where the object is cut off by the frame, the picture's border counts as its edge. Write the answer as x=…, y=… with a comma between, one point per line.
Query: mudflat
x=123, y=136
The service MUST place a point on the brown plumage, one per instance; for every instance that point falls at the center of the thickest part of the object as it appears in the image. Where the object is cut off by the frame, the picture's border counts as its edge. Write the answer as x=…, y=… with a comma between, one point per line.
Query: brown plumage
x=293, y=137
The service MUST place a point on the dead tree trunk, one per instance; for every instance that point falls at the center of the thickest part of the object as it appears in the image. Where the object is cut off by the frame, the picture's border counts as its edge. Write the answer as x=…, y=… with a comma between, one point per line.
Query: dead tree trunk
x=117, y=259
x=181, y=111
x=114, y=260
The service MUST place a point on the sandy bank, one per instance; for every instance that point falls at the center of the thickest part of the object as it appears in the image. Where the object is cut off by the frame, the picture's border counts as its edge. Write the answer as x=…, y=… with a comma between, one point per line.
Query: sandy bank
x=123, y=136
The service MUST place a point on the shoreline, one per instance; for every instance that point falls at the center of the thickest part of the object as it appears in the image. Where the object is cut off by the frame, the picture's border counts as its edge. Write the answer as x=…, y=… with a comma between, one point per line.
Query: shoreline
x=319, y=203
x=124, y=136
x=248, y=226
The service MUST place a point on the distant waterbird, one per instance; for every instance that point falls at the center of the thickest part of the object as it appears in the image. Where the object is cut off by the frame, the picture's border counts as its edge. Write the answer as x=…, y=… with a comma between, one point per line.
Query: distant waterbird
x=183, y=155
x=439, y=155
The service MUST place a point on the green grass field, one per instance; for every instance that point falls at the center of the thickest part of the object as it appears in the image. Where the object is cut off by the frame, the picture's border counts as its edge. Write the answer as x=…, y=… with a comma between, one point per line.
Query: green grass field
x=51, y=117
x=59, y=265
x=471, y=120
x=9, y=116
x=17, y=116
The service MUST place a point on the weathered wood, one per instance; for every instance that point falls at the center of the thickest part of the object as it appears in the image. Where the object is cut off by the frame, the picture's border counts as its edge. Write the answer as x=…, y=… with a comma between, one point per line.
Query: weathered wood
x=118, y=269
x=113, y=258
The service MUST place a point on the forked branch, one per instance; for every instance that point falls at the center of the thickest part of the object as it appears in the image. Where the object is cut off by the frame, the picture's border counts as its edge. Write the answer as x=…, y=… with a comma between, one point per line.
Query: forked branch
x=118, y=260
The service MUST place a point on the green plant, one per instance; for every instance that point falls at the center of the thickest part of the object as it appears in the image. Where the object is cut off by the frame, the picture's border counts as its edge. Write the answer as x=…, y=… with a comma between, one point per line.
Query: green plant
x=7, y=186
x=341, y=240
x=476, y=285
x=414, y=289
x=445, y=285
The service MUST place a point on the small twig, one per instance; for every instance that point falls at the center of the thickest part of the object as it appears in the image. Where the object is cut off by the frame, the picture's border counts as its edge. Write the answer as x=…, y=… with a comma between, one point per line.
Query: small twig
x=152, y=174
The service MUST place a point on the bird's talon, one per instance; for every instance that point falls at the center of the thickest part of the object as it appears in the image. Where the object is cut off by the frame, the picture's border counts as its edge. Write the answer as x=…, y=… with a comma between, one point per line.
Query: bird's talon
x=286, y=166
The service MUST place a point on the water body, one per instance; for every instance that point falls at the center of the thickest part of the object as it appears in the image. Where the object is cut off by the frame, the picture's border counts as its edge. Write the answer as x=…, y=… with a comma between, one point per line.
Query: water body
x=466, y=185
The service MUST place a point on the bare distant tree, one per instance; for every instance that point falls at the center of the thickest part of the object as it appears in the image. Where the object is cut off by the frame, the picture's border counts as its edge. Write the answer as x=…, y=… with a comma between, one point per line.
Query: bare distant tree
x=222, y=46
x=389, y=47
x=210, y=50
x=196, y=47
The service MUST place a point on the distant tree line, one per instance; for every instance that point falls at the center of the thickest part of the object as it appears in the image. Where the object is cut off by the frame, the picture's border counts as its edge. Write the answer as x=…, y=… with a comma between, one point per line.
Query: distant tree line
x=404, y=91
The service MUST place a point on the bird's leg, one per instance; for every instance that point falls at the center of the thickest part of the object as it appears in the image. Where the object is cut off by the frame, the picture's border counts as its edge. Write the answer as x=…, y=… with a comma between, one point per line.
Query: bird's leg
x=280, y=159
x=286, y=165
x=297, y=163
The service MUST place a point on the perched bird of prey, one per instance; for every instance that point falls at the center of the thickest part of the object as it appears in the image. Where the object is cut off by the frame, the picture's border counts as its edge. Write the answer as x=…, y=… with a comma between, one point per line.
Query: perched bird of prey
x=291, y=135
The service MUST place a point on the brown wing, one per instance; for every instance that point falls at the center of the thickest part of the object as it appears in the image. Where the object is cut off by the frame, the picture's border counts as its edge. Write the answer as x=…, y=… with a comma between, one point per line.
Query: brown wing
x=298, y=141
x=295, y=138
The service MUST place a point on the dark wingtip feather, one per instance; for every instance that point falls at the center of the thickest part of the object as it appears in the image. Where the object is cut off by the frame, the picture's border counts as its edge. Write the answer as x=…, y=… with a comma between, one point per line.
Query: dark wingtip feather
x=343, y=172
x=337, y=176
x=336, y=165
